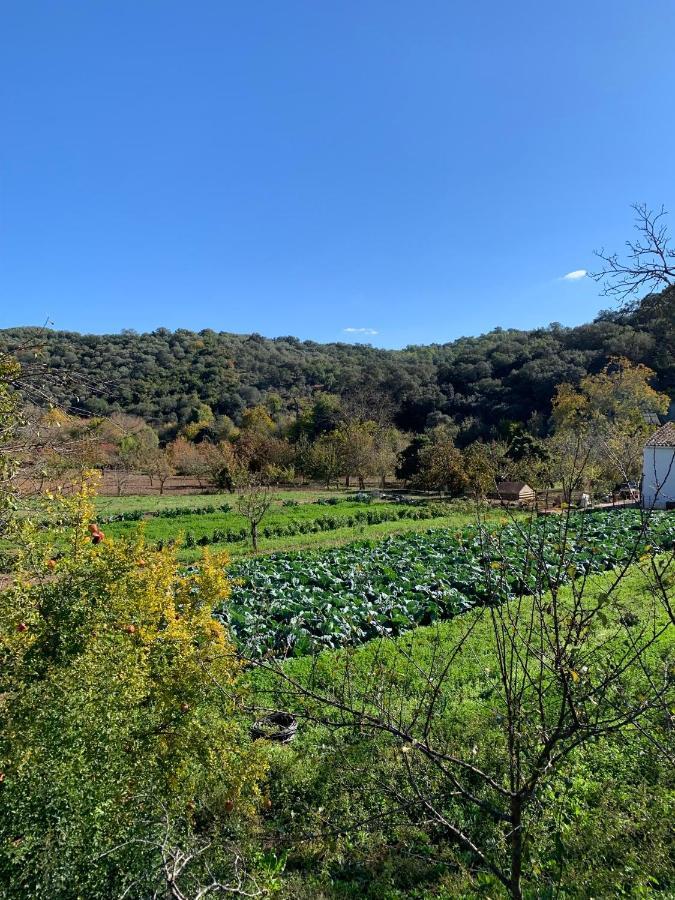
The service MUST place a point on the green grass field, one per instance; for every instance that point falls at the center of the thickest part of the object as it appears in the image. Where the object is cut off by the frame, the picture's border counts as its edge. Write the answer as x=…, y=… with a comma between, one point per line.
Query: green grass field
x=162, y=528
x=607, y=813
x=110, y=506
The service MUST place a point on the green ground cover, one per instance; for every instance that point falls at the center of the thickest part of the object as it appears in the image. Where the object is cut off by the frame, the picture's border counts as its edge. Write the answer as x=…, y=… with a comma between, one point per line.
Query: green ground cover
x=297, y=520
x=108, y=506
x=601, y=828
x=298, y=603
x=197, y=526
x=341, y=536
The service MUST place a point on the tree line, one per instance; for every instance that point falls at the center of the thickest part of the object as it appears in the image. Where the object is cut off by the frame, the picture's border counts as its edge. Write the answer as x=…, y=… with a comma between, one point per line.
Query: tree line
x=606, y=417
x=206, y=381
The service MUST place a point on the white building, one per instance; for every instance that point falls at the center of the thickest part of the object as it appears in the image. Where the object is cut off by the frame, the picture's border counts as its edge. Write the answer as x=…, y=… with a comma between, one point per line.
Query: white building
x=658, y=469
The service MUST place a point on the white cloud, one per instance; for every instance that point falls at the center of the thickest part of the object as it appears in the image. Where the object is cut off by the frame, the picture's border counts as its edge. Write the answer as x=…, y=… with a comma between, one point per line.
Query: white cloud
x=576, y=275
x=360, y=331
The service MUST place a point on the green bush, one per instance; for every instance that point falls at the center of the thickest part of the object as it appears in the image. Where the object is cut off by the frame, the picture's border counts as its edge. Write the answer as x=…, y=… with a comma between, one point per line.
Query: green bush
x=117, y=740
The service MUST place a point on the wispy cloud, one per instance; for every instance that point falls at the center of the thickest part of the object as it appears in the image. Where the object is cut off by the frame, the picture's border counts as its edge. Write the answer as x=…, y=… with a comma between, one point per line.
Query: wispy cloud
x=576, y=275
x=360, y=331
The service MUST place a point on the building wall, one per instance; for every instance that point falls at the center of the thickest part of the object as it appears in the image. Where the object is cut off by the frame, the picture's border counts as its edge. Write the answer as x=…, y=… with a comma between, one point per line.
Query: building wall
x=658, y=477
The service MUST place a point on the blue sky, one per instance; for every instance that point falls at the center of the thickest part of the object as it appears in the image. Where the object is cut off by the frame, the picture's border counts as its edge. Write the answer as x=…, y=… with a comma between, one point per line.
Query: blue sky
x=420, y=169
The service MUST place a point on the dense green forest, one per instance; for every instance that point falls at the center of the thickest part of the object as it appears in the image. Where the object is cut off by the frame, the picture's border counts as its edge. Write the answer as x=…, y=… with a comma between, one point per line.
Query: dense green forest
x=477, y=382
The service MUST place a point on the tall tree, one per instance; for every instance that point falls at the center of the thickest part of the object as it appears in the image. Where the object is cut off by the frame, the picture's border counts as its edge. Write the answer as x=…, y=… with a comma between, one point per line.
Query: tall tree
x=607, y=418
x=356, y=443
x=442, y=466
x=322, y=459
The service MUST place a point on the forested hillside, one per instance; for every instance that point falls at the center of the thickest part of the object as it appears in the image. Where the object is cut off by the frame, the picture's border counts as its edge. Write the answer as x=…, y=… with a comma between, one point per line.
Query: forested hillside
x=166, y=377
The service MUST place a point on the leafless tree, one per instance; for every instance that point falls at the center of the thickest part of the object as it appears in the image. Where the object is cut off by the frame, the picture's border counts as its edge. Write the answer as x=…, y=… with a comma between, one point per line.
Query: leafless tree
x=158, y=464
x=180, y=871
x=253, y=502
x=648, y=264
x=565, y=660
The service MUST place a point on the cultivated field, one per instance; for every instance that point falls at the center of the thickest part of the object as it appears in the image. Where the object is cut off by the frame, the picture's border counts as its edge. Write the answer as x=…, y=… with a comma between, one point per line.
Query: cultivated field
x=297, y=520
x=300, y=603
x=358, y=778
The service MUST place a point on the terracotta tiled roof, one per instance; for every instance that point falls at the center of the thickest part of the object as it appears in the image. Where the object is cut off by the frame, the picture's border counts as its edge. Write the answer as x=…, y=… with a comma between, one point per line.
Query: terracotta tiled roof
x=664, y=437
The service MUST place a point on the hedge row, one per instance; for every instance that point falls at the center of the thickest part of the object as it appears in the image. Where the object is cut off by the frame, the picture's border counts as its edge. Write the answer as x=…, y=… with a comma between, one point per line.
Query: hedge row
x=175, y=512
x=322, y=523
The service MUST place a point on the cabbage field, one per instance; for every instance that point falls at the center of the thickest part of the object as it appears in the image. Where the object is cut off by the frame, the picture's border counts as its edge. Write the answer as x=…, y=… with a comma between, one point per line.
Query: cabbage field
x=293, y=604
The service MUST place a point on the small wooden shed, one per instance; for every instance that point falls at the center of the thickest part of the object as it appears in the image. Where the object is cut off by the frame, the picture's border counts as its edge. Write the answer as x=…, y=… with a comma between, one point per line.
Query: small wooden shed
x=514, y=492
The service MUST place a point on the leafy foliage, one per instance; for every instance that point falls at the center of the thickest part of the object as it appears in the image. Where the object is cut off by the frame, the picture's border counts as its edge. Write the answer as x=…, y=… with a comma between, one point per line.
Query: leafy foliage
x=297, y=603
x=137, y=515
x=202, y=381
x=601, y=827
x=121, y=730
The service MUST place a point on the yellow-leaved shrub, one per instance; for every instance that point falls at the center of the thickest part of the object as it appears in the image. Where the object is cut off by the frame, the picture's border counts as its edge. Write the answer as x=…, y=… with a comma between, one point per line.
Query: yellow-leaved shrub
x=123, y=732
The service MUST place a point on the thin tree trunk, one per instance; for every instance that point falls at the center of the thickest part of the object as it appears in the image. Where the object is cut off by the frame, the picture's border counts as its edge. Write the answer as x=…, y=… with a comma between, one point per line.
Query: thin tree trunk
x=254, y=536
x=516, y=848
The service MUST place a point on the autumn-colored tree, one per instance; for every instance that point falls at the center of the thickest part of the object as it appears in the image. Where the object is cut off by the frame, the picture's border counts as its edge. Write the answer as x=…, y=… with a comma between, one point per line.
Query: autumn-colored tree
x=123, y=751
x=322, y=459
x=387, y=444
x=356, y=446
x=188, y=459
x=263, y=452
x=484, y=466
x=441, y=467
x=202, y=419
x=257, y=419
x=607, y=419
x=223, y=468
x=158, y=463
x=621, y=393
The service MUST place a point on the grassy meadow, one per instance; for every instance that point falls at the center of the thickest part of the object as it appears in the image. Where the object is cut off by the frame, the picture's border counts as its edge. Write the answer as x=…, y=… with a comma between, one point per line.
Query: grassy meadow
x=342, y=799
x=288, y=507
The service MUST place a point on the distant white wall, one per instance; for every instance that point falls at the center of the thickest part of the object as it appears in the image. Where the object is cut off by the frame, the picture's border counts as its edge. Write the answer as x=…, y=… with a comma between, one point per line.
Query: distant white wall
x=658, y=477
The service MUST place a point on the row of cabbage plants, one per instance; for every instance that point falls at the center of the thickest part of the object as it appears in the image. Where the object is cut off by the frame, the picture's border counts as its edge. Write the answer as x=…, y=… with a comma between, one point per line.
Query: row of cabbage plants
x=297, y=603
